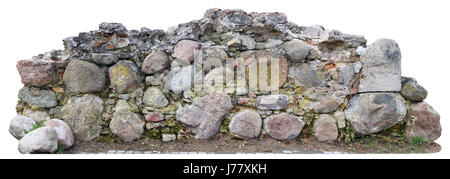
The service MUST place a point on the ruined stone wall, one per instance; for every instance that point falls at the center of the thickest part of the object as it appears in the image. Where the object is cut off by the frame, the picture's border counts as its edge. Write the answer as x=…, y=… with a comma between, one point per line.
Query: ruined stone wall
x=245, y=74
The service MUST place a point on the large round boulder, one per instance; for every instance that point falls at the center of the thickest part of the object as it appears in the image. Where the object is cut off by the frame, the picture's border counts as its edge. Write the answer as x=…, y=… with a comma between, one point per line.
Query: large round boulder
x=125, y=124
x=40, y=140
x=84, y=77
x=373, y=112
x=246, y=123
x=423, y=121
x=124, y=76
x=283, y=126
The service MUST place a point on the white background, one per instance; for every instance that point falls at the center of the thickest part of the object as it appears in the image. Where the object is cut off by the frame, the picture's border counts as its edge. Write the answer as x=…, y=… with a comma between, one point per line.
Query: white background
x=421, y=28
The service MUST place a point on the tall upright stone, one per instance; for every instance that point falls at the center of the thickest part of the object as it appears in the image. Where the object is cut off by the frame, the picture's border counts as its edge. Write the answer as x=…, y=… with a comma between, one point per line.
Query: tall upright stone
x=381, y=70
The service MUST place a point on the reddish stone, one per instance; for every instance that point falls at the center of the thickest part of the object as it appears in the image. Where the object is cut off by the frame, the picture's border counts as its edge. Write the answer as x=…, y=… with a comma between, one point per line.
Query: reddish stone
x=423, y=121
x=154, y=117
x=185, y=50
x=283, y=126
x=37, y=72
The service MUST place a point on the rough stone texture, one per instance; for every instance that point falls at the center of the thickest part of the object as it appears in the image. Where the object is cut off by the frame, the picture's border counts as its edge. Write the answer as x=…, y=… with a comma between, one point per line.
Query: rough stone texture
x=154, y=117
x=328, y=105
x=38, y=116
x=37, y=72
x=296, y=50
x=41, y=140
x=19, y=125
x=37, y=97
x=84, y=77
x=104, y=58
x=84, y=116
x=283, y=126
x=124, y=76
x=205, y=114
x=373, y=112
x=63, y=132
x=381, y=70
x=412, y=91
x=272, y=102
x=246, y=123
x=155, y=62
x=308, y=74
x=184, y=50
x=125, y=124
x=154, y=97
x=168, y=137
x=180, y=80
x=423, y=120
x=325, y=128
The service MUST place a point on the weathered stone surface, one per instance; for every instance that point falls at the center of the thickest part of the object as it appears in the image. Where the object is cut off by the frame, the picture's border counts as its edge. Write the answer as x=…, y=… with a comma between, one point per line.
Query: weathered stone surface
x=84, y=116
x=180, y=80
x=412, y=91
x=154, y=117
x=246, y=123
x=38, y=116
x=168, y=137
x=205, y=114
x=283, y=126
x=104, y=58
x=41, y=140
x=218, y=80
x=84, y=77
x=155, y=62
x=37, y=72
x=272, y=102
x=296, y=50
x=373, y=112
x=325, y=128
x=328, y=105
x=185, y=50
x=124, y=76
x=154, y=97
x=125, y=124
x=308, y=74
x=381, y=70
x=19, y=125
x=37, y=97
x=423, y=120
x=63, y=132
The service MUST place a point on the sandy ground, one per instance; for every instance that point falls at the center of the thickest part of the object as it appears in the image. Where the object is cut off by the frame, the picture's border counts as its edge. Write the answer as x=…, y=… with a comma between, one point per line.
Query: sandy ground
x=223, y=143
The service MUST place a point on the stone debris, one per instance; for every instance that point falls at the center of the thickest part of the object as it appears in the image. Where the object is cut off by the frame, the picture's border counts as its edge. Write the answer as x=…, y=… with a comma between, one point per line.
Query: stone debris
x=246, y=74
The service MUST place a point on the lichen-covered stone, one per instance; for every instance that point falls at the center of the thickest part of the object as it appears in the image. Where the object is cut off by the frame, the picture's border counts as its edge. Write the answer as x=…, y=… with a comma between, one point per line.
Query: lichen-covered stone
x=84, y=77
x=272, y=102
x=308, y=74
x=19, y=125
x=38, y=97
x=373, y=112
x=423, y=121
x=37, y=73
x=41, y=140
x=246, y=123
x=155, y=62
x=381, y=69
x=63, y=132
x=184, y=50
x=325, y=128
x=125, y=124
x=104, y=58
x=84, y=116
x=124, y=76
x=296, y=50
x=283, y=126
x=38, y=116
x=412, y=91
x=154, y=97
x=205, y=114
